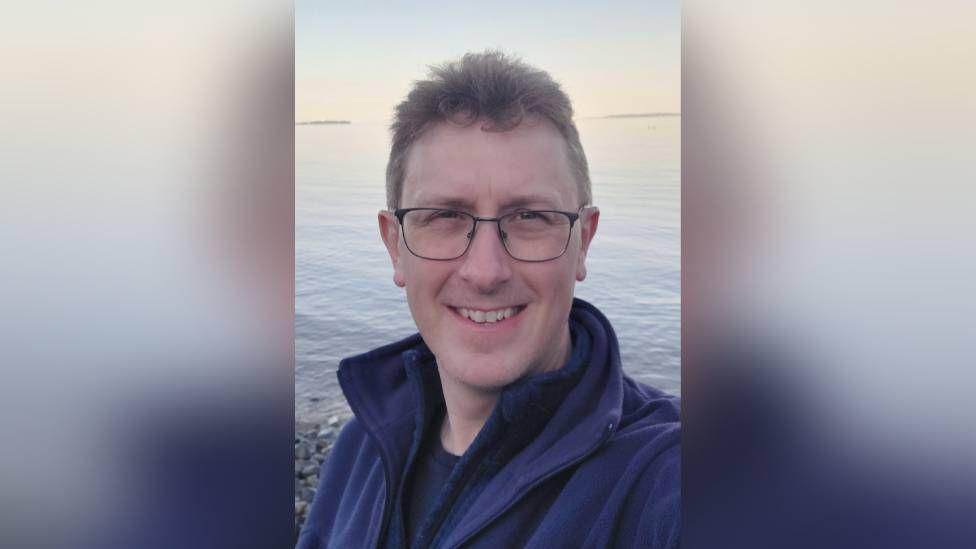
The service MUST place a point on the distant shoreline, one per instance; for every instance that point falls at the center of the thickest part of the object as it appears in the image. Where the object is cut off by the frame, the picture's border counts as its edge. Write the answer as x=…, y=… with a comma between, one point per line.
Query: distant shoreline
x=641, y=115
x=322, y=122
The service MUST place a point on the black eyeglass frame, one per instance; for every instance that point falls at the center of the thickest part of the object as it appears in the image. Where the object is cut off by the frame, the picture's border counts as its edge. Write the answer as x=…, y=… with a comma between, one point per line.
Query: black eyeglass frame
x=399, y=213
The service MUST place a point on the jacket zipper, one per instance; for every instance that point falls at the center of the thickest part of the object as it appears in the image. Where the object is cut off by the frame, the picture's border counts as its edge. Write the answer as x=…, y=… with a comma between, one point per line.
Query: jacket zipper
x=529, y=488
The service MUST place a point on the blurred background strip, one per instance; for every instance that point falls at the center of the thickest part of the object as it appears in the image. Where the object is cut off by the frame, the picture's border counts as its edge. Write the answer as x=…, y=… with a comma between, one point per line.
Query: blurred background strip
x=828, y=261
x=146, y=274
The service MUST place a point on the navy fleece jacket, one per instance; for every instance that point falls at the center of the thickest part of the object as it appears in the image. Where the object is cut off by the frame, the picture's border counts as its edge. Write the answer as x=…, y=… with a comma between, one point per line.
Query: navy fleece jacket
x=580, y=457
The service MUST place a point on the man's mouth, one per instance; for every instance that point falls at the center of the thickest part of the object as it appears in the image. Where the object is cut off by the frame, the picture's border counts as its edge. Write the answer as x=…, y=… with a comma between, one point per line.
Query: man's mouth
x=489, y=317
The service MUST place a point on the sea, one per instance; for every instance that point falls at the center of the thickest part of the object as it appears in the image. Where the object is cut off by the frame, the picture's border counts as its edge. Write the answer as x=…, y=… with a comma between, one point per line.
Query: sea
x=345, y=299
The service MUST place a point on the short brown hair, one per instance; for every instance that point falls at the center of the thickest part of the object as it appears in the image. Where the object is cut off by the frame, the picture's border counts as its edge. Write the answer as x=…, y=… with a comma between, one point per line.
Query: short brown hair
x=492, y=86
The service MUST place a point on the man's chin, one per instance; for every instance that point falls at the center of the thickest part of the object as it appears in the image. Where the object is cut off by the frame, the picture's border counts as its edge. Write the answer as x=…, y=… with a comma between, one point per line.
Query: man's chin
x=483, y=373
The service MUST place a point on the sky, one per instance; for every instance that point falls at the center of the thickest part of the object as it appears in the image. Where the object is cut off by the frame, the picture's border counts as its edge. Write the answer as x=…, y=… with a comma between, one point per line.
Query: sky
x=356, y=60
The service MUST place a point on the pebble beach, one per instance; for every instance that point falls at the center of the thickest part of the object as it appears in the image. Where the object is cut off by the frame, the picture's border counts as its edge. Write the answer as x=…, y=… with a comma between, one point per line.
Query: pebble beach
x=312, y=444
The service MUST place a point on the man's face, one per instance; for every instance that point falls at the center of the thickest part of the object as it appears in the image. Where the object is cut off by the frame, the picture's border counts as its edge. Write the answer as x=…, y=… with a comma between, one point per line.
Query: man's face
x=488, y=174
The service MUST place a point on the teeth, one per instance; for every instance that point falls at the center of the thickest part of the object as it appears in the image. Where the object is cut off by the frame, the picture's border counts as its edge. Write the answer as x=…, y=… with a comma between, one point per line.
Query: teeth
x=487, y=316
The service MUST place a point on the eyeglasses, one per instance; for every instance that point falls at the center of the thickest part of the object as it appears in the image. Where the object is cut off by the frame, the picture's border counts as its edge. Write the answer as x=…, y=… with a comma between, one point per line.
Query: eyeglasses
x=527, y=235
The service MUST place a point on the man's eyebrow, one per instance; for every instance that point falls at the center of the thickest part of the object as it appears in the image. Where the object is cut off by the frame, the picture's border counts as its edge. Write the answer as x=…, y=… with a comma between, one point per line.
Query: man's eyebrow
x=452, y=203
x=535, y=201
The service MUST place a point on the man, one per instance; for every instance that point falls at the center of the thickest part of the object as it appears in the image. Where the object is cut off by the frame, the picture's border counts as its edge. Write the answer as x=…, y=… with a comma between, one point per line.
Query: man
x=507, y=421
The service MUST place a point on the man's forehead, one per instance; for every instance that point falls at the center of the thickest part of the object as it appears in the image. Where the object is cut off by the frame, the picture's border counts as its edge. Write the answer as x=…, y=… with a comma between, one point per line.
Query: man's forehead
x=468, y=194
x=454, y=165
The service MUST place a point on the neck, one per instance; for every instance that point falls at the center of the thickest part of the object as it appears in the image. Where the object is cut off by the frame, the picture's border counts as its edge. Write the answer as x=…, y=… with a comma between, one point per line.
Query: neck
x=468, y=407
x=467, y=411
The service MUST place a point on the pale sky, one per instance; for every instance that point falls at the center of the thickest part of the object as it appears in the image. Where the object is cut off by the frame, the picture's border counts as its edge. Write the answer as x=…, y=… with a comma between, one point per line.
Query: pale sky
x=356, y=60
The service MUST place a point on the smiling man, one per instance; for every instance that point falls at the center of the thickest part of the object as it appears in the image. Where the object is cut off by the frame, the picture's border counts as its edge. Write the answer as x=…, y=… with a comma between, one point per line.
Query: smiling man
x=508, y=420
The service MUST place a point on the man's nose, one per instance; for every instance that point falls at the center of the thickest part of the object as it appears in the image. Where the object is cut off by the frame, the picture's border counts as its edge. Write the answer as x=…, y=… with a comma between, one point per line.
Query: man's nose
x=486, y=265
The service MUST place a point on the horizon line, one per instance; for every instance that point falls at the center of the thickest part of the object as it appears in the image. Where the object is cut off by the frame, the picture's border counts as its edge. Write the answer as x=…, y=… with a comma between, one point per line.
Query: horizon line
x=637, y=115
x=316, y=122
x=599, y=117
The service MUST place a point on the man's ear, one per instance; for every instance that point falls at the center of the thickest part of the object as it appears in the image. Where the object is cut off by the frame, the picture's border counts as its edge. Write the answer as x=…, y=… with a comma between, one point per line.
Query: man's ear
x=588, y=221
x=390, y=233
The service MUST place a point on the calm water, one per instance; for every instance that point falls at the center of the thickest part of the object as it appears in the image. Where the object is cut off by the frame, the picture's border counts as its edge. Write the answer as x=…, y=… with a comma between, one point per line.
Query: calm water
x=345, y=300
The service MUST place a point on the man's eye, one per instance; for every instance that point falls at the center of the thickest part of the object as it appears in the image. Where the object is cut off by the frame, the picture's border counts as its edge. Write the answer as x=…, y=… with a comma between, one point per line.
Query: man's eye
x=528, y=216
